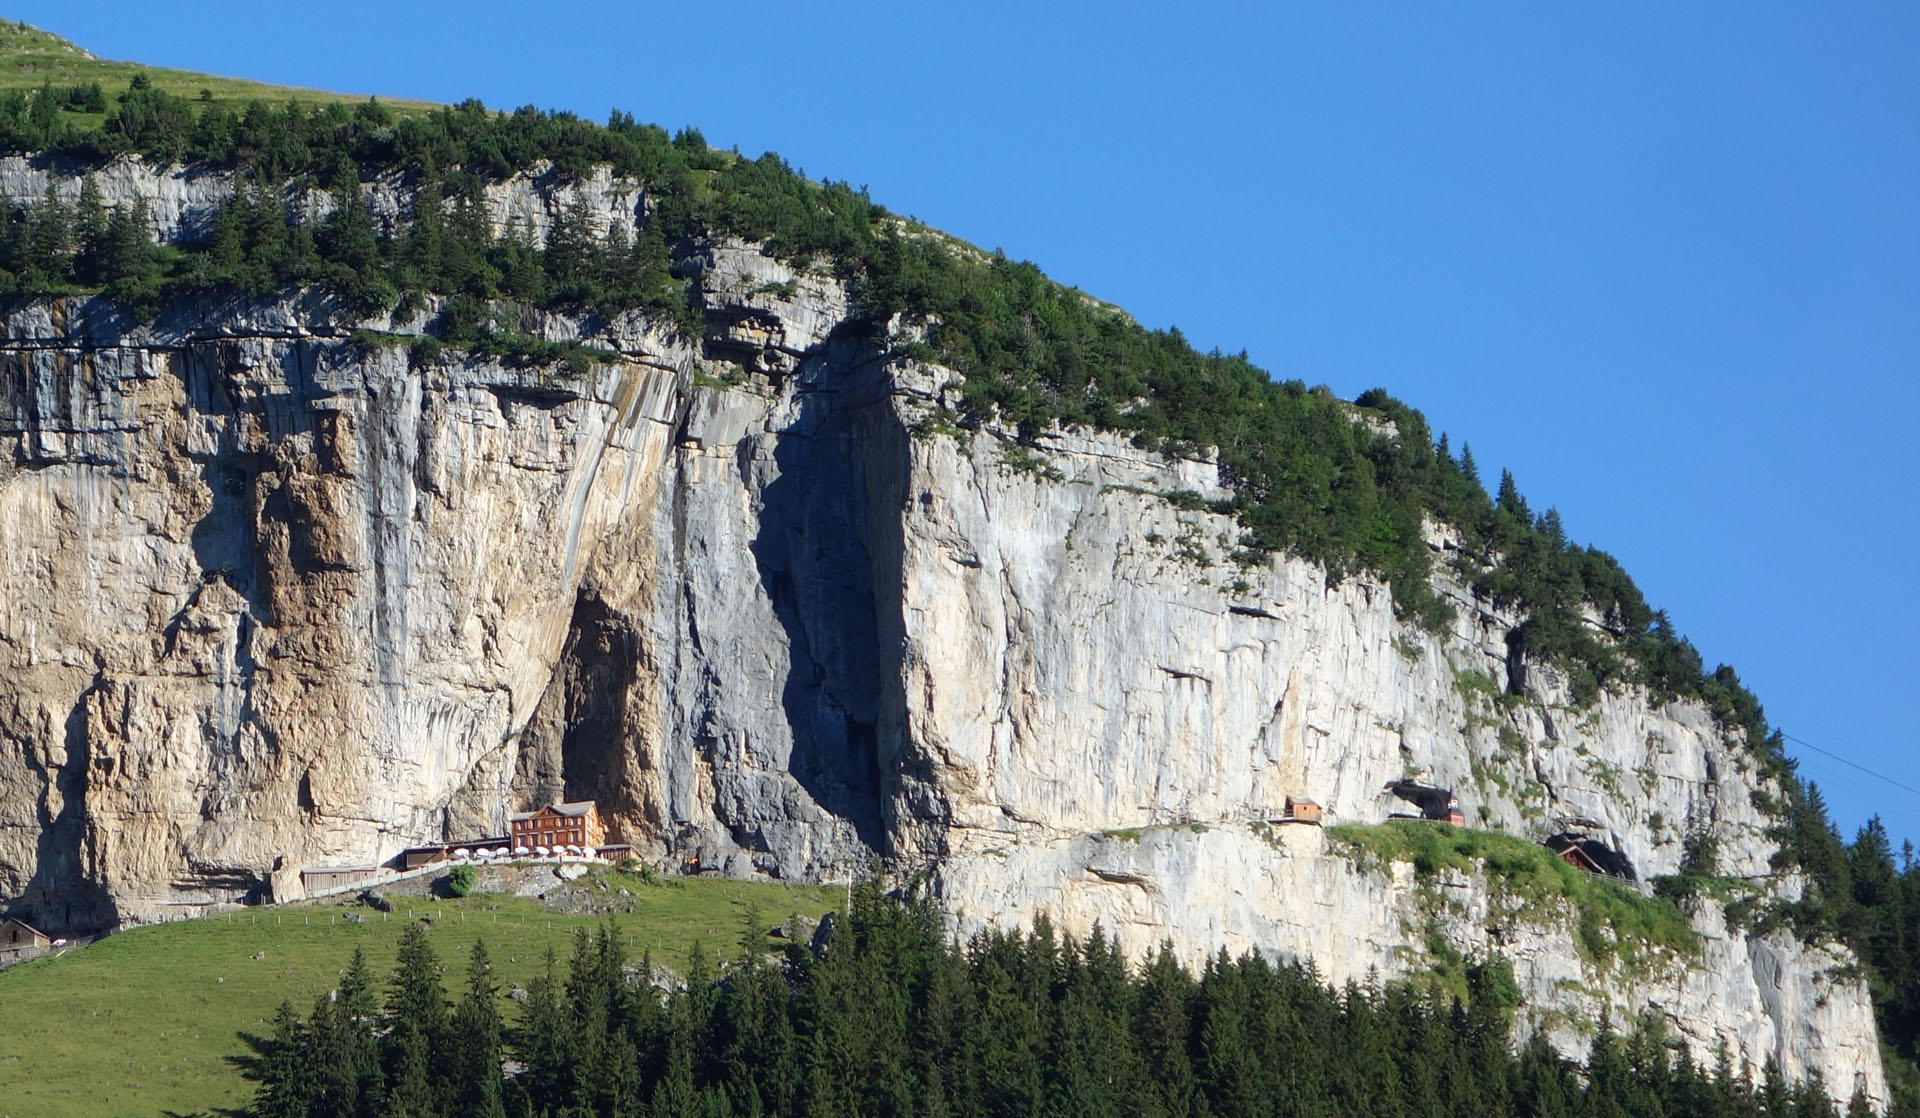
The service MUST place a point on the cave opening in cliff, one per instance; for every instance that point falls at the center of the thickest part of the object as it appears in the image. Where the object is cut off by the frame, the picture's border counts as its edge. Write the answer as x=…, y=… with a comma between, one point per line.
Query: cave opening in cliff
x=1579, y=850
x=601, y=665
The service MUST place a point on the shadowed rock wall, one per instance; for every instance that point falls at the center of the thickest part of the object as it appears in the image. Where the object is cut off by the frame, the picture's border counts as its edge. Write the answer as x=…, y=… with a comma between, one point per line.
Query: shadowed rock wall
x=271, y=598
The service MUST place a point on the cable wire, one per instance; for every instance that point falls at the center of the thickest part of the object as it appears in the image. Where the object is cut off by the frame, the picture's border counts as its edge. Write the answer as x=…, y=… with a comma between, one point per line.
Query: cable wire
x=1850, y=764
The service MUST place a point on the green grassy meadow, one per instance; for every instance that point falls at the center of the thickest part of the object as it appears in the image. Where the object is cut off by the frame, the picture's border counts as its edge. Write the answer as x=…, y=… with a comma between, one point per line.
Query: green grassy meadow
x=30, y=58
x=143, y=1022
x=1610, y=920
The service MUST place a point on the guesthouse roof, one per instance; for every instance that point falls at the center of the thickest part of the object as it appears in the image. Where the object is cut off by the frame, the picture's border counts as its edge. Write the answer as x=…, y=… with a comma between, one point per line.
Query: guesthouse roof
x=578, y=808
x=4, y=921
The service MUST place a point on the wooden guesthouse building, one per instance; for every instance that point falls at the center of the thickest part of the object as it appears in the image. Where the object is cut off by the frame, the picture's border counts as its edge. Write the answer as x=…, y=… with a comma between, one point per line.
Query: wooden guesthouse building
x=559, y=825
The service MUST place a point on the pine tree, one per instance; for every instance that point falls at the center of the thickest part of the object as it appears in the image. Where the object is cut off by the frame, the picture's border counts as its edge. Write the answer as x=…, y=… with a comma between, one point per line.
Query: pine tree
x=340, y=1051
x=1870, y=924
x=1774, y=1097
x=43, y=119
x=328, y=1050
x=1726, y=1092
x=1226, y=1060
x=355, y=268
x=90, y=230
x=1009, y=1035
x=416, y=1023
x=1811, y=1100
x=1609, y=1081
x=1810, y=843
x=423, y=251
x=476, y=1047
x=1162, y=1031
x=470, y=240
x=519, y=265
x=831, y=1052
x=1649, y=1078
x=621, y=278
x=545, y=1041
x=1686, y=1091
x=127, y=262
x=1509, y=499
x=411, y=1094
x=1492, y=996
x=358, y=1013
x=50, y=241
x=569, y=255
x=211, y=140
x=1554, y=531
x=281, y=1066
x=1468, y=468
x=751, y=1038
x=1543, y=1087
x=676, y=1093
x=607, y=1073
x=414, y=994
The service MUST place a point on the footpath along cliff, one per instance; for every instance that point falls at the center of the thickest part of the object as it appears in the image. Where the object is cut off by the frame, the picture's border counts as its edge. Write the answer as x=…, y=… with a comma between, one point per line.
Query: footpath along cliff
x=272, y=595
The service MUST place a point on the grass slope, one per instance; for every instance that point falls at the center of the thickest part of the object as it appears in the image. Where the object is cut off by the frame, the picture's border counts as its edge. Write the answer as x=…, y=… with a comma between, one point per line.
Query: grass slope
x=30, y=58
x=143, y=1022
x=1610, y=921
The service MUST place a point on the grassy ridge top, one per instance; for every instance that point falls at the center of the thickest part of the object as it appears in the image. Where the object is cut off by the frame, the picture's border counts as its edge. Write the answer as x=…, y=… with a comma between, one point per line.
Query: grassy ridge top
x=31, y=58
x=144, y=1021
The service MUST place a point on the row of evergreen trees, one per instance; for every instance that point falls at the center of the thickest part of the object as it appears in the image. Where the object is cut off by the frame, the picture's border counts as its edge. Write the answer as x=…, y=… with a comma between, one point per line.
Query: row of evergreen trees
x=51, y=248
x=891, y=1019
x=261, y=243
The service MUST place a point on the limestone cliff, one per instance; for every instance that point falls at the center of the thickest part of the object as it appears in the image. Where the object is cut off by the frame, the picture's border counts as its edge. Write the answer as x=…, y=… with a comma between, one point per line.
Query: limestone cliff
x=269, y=596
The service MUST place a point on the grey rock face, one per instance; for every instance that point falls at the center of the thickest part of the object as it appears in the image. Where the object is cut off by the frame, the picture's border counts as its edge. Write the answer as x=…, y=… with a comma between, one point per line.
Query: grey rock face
x=184, y=201
x=267, y=599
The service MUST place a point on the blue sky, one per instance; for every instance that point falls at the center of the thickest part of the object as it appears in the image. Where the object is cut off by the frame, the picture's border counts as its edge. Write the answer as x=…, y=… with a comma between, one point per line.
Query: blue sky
x=1663, y=264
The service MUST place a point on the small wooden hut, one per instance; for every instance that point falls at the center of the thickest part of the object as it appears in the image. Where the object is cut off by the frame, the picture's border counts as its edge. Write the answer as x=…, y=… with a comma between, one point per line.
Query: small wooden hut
x=1302, y=810
x=19, y=939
